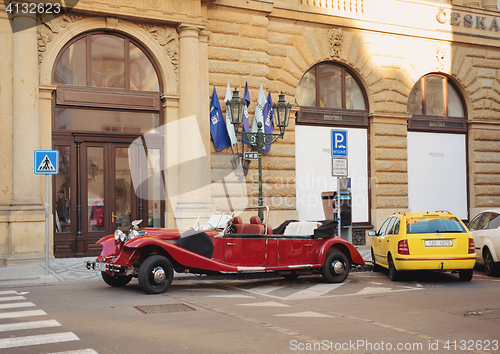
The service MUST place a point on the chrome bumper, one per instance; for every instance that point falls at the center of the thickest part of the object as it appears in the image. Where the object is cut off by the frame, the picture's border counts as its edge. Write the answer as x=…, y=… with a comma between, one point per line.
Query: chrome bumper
x=109, y=267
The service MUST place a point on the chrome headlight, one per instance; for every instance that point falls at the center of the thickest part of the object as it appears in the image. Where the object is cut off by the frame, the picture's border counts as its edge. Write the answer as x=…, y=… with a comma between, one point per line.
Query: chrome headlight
x=133, y=234
x=119, y=235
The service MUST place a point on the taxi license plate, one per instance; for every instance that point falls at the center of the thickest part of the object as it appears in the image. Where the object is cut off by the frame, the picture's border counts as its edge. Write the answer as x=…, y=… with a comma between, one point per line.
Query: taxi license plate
x=100, y=266
x=438, y=243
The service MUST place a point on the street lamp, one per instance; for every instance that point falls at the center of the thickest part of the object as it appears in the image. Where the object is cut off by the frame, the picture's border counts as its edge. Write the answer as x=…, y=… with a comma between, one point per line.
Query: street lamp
x=259, y=139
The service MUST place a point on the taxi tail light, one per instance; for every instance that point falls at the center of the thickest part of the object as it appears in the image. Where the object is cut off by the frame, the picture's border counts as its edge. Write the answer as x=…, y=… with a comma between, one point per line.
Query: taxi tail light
x=472, y=246
x=403, y=247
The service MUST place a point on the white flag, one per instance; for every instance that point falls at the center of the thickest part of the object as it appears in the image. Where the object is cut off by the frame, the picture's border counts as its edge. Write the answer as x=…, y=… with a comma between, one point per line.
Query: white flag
x=258, y=117
x=229, y=126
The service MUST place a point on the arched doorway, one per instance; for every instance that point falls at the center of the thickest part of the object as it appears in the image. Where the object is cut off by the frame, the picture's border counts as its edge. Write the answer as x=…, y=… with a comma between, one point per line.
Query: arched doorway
x=331, y=98
x=107, y=96
x=437, y=147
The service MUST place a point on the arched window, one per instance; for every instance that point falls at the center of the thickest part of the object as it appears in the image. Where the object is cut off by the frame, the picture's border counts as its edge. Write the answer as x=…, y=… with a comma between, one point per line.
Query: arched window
x=436, y=105
x=108, y=61
x=329, y=94
x=106, y=82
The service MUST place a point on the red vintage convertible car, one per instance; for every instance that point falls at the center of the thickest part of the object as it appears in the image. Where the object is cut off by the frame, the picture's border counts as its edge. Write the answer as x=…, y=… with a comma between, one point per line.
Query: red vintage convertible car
x=225, y=245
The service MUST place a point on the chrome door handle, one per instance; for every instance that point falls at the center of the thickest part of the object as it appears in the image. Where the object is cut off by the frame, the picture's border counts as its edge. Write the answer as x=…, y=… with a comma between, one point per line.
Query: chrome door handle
x=308, y=245
x=231, y=244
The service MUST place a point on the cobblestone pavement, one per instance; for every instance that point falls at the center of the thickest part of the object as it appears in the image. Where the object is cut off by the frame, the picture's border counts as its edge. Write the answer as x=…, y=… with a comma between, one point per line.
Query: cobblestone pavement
x=73, y=269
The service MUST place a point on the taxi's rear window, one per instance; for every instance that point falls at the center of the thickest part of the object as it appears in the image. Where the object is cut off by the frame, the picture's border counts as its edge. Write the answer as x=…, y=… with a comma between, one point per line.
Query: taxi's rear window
x=433, y=224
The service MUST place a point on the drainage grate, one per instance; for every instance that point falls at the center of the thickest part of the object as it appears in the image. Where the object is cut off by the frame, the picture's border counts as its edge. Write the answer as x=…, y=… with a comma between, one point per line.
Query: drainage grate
x=152, y=309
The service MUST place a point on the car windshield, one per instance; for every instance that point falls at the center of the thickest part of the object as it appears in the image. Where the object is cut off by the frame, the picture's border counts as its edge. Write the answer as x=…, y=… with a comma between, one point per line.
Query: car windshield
x=218, y=220
x=433, y=224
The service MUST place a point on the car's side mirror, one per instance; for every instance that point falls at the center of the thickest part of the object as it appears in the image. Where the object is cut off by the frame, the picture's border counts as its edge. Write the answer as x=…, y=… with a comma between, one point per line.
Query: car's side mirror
x=372, y=233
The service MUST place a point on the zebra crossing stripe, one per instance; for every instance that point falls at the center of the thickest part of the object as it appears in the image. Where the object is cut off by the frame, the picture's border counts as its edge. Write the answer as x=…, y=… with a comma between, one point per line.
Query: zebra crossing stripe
x=12, y=298
x=37, y=340
x=82, y=351
x=22, y=314
x=8, y=292
x=16, y=305
x=28, y=325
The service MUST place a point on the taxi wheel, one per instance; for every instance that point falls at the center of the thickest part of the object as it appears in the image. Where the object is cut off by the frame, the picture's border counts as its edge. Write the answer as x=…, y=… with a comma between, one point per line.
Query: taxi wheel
x=490, y=267
x=336, y=267
x=393, y=273
x=156, y=274
x=116, y=280
x=465, y=274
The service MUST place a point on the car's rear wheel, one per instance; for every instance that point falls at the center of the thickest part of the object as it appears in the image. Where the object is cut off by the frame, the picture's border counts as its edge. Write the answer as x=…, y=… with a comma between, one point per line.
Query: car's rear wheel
x=336, y=267
x=376, y=267
x=465, y=274
x=490, y=267
x=116, y=280
x=394, y=274
x=156, y=274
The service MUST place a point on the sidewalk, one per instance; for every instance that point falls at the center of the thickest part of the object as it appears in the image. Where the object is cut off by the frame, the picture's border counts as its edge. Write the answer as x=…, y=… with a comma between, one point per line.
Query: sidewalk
x=73, y=269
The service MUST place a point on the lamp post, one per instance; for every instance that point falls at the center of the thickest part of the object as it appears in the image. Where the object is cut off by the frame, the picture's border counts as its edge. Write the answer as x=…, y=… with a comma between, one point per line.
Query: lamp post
x=259, y=139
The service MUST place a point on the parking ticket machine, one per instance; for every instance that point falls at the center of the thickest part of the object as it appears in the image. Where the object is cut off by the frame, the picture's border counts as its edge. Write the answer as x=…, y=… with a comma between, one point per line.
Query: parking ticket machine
x=342, y=207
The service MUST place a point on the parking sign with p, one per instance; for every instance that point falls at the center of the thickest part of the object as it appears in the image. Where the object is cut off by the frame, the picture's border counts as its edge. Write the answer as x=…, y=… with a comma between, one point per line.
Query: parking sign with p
x=339, y=143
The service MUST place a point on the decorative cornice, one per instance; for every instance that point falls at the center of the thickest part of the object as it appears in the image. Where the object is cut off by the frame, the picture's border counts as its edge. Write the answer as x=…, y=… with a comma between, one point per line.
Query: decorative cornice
x=49, y=26
x=168, y=39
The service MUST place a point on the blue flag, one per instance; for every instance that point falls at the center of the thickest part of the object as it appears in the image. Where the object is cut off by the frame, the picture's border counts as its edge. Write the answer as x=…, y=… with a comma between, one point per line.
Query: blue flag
x=246, y=126
x=217, y=125
x=268, y=115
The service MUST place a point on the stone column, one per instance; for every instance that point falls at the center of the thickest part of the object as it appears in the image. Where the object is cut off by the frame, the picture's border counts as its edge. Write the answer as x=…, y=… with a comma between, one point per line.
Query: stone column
x=25, y=109
x=26, y=229
x=194, y=167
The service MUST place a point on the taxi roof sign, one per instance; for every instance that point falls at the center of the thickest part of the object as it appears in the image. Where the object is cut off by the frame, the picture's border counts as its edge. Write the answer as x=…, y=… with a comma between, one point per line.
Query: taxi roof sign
x=46, y=162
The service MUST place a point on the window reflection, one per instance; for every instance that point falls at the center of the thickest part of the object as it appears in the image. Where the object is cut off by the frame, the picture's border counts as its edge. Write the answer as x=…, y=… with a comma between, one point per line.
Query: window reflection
x=337, y=88
x=306, y=90
x=434, y=96
x=108, y=121
x=95, y=186
x=62, y=194
x=330, y=88
x=441, y=98
x=108, y=61
x=71, y=69
x=354, y=95
x=142, y=73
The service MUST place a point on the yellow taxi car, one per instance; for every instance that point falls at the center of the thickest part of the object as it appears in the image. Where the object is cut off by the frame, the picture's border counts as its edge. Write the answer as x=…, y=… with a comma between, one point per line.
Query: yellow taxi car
x=423, y=241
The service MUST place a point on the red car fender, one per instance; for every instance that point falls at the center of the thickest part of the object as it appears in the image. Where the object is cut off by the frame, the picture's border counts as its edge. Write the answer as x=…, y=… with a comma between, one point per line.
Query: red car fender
x=342, y=246
x=181, y=255
x=109, y=247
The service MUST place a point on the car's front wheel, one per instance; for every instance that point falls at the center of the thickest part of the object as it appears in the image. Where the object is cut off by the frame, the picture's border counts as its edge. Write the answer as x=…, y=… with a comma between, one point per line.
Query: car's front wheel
x=490, y=267
x=156, y=274
x=336, y=267
x=465, y=274
x=116, y=280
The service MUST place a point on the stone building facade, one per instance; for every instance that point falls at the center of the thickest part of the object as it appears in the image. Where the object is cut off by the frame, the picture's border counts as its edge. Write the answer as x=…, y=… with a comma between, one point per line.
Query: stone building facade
x=424, y=75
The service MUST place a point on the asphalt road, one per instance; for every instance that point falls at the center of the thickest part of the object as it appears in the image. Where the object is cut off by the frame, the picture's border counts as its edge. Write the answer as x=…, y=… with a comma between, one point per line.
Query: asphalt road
x=423, y=313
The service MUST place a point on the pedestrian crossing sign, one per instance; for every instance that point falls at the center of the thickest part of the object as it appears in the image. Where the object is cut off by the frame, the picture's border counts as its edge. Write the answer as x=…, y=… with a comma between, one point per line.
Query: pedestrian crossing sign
x=46, y=162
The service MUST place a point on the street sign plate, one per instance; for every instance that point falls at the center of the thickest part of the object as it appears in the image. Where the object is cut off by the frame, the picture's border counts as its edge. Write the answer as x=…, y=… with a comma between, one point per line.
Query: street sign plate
x=251, y=155
x=339, y=167
x=339, y=143
x=46, y=162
